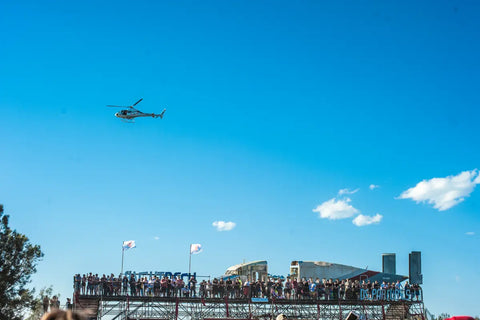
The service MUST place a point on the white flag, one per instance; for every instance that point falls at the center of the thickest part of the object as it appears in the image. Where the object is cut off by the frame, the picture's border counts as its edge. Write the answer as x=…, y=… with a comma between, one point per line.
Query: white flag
x=128, y=244
x=195, y=248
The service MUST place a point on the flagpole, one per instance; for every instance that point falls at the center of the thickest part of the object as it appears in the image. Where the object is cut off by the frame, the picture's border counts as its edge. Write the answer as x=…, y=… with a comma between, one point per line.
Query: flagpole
x=123, y=250
x=190, y=260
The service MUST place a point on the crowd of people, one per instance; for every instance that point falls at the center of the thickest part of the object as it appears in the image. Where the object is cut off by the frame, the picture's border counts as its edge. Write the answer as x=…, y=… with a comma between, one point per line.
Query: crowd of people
x=237, y=289
x=53, y=303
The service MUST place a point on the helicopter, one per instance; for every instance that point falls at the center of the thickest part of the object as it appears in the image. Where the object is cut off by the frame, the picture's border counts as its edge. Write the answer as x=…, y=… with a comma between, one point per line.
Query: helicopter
x=131, y=113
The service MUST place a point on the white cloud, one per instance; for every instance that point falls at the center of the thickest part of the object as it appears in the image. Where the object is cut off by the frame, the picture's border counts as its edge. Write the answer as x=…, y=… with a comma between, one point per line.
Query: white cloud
x=156, y=238
x=224, y=226
x=362, y=220
x=336, y=209
x=373, y=186
x=470, y=233
x=444, y=193
x=347, y=191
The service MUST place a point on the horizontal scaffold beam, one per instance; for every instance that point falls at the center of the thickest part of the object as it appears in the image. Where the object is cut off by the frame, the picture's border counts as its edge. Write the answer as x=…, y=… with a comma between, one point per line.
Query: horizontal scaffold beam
x=125, y=308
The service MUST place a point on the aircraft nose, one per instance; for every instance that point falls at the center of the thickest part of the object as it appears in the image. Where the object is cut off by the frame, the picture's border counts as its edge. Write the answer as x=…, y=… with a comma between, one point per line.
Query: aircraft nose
x=116, y=114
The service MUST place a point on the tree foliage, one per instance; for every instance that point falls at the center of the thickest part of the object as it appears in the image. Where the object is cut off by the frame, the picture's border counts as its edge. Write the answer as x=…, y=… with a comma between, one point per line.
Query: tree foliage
x=18, y=260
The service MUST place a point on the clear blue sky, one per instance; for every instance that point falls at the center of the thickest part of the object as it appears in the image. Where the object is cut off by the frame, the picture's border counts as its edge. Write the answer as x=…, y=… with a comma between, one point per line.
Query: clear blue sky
x=272, y=108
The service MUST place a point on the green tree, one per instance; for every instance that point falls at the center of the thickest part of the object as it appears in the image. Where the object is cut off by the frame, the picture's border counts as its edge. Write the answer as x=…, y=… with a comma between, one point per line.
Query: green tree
x=18, y=260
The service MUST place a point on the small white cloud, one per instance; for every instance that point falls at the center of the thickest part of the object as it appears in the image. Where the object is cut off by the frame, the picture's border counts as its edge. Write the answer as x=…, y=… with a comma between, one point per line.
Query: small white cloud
x=470, y=233
x=457, y=278
x=335, y=209
x=362, y=220
x=156, y=238
x=444, y=193
x=373, y=186
x=224, y=226
x=347, y=191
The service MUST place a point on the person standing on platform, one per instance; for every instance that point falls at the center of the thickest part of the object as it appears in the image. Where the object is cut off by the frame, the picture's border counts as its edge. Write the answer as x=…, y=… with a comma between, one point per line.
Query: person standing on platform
x=133, y=286
x=69, y=304
x=214, y=287
x=407, y=291
x=156, y=287
x=295, y=288
x=313, y=289
x=192, y=286
x=208, y=287
x=288, y=289
x=54, y=303
x=179, y=284
x=77, y=282
x=229, y=287
x=203, y=285
x=221, y=288
x=236, y=288
x=124, y=285
x=45, y=302
x=246, y=289
x=84, y=283
x=163, y=286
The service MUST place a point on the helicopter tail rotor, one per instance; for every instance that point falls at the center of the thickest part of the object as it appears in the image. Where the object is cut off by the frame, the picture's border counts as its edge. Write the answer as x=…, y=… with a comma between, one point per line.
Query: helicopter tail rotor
x=158, y=115
x=162, y=113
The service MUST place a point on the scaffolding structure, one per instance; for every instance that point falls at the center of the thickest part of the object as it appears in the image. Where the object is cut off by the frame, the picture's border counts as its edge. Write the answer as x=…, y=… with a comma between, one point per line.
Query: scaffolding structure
x=162, y=308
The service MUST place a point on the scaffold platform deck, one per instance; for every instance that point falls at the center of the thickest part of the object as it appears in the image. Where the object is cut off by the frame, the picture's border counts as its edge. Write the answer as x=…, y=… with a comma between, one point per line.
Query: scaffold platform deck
x=168, y=308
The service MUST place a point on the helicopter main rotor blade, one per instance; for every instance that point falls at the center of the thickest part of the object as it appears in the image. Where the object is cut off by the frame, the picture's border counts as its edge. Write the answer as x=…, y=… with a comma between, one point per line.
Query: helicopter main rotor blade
x=111, y=106
x=137, y=102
